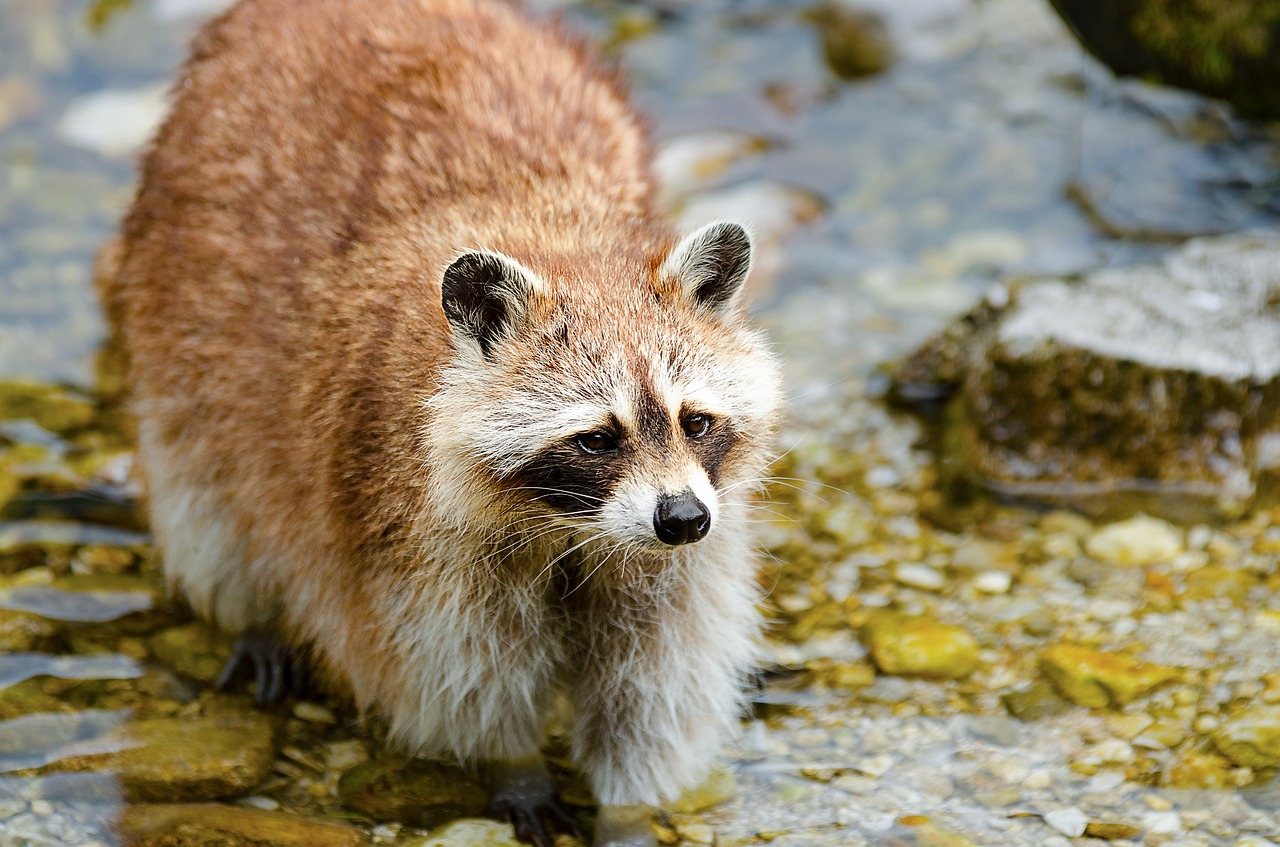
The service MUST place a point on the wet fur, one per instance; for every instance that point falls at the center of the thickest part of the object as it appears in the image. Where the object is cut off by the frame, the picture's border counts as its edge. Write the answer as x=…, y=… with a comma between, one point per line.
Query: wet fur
x=327, y=455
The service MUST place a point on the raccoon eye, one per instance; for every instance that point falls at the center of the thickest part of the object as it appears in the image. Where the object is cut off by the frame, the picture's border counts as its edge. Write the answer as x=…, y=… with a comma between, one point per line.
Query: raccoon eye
x=695, y=426
x=595, y=442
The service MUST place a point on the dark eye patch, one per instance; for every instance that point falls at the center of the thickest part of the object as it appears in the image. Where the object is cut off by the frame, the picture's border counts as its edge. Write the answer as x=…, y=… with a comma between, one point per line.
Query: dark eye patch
x=714, y=440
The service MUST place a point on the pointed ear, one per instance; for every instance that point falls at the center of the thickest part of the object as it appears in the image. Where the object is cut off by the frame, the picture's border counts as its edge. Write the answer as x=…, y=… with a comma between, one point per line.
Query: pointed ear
x=711, y=264
x=485, y=295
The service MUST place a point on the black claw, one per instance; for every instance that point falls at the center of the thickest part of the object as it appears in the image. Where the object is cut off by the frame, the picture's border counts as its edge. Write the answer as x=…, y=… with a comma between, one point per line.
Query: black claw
x=274, y=668
x=530, y=821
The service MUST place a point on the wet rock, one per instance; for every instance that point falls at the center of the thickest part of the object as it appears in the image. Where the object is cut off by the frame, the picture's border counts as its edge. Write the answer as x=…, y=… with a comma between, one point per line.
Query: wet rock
x=855, y=42
x=1099, y=679
x=1198, y=770
x=920, y=576
x=113, y=122
x=1214, y=581
x=920, y=646
x=195, y=649
x=24, y=632
x=720, y=787
x=1150, y=388
x=690, y=162
x=1071, y=822
x=1111, y=831
x=1228, y=48
x=178, y=759
x=470, y=833
x=53, y=408
x=215, y=825
x=1141, y=540
x=1252, y=738
x=422, y=793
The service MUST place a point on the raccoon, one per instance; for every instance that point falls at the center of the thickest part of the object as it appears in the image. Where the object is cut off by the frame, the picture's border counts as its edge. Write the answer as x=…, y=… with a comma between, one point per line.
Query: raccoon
x=426, y=387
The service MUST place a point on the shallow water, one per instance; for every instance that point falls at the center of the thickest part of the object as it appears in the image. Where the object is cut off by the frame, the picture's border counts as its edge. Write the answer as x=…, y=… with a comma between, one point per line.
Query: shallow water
x=884, y=206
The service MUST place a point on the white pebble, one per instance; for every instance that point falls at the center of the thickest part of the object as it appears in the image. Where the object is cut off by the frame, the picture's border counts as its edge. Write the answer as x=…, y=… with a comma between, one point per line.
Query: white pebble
x=1162, y=823
x=41, y=808
x=1140, y=540
x=993, y=582
x=920, y=576
x=113, y=122
x=1070, y=821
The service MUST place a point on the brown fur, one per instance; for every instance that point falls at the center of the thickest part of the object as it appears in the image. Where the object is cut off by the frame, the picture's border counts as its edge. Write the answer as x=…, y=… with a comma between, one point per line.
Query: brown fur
x=279, y=285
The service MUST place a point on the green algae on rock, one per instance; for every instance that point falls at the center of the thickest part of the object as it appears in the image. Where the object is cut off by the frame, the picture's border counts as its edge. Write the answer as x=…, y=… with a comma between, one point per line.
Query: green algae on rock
x=1251, y=738
x=1150, y=388
x=178, y=759
x=420, y=793
x=1098, y=679
x=216, y=825
x=1224, y=48
x=195, y=649
x=53, y=408
x=919, y=646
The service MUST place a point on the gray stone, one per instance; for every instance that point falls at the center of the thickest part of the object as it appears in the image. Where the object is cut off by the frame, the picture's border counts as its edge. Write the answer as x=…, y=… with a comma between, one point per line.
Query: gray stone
x=1153, y=388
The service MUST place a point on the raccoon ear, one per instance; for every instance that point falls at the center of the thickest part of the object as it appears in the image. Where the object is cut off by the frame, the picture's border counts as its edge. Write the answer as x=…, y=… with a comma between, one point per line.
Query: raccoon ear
x=711, y=264
x=484, y=295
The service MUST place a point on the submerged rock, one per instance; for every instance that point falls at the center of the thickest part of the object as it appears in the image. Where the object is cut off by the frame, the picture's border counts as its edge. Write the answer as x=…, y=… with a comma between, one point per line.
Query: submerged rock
x=178, y=759
x=1099, y=679
x=422, y=793
x=214, y=825
x=1152, y=388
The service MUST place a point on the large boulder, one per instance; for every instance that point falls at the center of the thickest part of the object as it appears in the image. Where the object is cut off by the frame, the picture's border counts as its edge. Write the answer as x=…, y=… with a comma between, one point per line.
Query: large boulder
x=1224, y=48
x=1151, y=388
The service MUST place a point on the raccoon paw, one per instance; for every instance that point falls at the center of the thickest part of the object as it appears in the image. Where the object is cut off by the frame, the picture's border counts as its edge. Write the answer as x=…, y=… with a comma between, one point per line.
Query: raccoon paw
x=524, y=794
x=276, y=670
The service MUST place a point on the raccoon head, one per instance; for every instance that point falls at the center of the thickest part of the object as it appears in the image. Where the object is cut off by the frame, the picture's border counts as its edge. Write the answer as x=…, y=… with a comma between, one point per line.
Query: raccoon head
x=630, y=410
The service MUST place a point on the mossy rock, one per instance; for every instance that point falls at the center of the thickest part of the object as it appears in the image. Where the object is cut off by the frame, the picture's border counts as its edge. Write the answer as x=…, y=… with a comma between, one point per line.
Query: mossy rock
x=420, y=793
x=1224, y=48
x=919, y=646
x=1098, y=679
x=215, y=825
x=52, y=407
x=1252, y=738
x=178, y=759
x=196, y=650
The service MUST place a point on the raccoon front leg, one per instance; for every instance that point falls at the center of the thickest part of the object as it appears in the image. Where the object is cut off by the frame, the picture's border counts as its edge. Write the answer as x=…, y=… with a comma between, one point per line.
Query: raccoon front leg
x=660, y=674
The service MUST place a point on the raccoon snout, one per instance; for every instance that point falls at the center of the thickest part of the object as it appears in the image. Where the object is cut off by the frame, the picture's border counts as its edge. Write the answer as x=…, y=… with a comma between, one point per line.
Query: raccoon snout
x=682, y=519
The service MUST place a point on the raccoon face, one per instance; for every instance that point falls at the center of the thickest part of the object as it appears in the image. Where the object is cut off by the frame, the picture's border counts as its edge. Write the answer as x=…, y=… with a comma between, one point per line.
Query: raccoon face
x=630, y=415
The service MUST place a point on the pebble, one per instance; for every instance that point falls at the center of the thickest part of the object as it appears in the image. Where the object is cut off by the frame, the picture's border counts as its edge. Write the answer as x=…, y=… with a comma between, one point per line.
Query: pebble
x=993, y=582
x=314, y=712
x=920, y=576
x=697, y=833
x=1141, y=540
x=1070, y=821
x=114, y=122
x=1162, y=823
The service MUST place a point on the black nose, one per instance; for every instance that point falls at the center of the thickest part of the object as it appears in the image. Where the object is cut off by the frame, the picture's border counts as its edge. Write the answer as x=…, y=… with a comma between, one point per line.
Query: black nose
x=681, y=519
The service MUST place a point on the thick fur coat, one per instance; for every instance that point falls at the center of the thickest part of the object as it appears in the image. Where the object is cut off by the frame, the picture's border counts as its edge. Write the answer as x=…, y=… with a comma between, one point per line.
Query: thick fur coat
x=412, y=354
